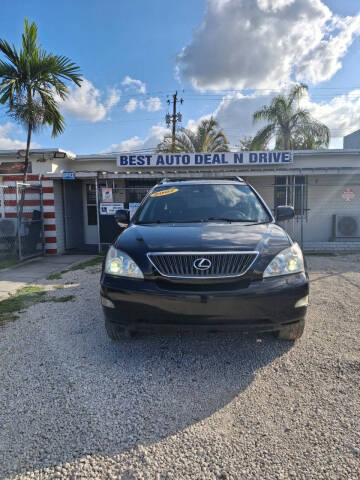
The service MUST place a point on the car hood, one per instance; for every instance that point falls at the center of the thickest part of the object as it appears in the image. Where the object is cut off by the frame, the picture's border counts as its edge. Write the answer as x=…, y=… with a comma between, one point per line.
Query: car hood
x=203, y=237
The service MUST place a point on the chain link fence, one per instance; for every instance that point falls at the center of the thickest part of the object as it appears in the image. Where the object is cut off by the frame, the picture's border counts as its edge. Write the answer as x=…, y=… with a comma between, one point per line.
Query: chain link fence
x=21, y=222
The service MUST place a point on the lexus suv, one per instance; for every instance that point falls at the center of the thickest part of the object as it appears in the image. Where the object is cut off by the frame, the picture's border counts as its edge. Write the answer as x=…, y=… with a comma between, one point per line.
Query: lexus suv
x=204, y=254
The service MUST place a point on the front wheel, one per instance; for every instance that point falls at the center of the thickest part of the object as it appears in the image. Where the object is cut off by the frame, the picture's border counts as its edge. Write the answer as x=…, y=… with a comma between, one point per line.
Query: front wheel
x=292, y=332
x=116, y=332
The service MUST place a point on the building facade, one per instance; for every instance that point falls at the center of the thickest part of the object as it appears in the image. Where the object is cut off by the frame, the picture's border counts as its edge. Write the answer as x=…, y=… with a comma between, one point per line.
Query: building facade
x=81, y=193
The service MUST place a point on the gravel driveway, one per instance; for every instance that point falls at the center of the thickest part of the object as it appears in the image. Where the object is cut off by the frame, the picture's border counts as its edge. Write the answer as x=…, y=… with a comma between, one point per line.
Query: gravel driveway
x=75, y=405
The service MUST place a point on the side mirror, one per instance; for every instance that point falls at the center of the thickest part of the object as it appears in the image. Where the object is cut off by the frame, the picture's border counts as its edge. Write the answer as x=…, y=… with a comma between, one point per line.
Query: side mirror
x=284, y=212
x=122, y=218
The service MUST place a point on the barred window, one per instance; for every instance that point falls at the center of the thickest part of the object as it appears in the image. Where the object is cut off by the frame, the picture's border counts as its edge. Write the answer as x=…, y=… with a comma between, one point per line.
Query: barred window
x=287, y=191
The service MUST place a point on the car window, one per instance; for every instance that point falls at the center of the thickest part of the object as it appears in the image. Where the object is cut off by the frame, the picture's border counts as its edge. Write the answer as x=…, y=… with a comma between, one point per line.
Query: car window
x=197, y=203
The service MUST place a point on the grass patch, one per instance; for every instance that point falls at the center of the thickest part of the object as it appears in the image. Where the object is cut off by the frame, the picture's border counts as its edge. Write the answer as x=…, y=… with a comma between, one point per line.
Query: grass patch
x=20, y=300
x=89, y=263
x=79, y=266
x=8, y=263
x=24, y=298
x=54, y=276
x=67, y=298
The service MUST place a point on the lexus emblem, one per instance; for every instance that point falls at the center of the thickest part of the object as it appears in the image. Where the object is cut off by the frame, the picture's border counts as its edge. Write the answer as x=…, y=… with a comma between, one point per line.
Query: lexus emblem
x=202, y=264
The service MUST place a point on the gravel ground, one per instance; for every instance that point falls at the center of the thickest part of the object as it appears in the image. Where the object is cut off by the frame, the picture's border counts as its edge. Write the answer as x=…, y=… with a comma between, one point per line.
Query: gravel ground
x=75, y=405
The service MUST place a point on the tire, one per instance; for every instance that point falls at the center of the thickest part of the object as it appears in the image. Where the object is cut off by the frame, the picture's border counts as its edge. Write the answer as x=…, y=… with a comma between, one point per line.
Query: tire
x=292, y=332
x=115, y=332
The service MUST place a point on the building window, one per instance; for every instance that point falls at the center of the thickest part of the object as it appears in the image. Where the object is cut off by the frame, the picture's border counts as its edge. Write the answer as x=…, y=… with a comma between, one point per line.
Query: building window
x=91, y=204
x=287, y=191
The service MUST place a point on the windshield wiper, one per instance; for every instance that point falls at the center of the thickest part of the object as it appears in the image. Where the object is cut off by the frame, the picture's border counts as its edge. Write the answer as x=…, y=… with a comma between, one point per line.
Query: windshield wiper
x=225, y=219
x=150, y=222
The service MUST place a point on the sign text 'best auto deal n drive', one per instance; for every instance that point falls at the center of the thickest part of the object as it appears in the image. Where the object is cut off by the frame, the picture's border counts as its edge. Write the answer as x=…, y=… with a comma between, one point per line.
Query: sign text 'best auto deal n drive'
x=198, y=159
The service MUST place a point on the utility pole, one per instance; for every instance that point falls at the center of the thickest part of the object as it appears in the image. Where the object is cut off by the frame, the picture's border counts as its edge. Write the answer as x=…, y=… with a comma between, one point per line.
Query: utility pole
x=174, y=118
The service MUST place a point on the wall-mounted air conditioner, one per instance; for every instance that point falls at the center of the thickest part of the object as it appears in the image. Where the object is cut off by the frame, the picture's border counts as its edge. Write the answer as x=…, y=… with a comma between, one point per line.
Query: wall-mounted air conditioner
x=346, y=226
x=8, y=227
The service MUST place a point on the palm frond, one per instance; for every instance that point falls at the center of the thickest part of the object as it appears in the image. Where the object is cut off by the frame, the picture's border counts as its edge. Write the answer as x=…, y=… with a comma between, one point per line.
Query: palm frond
x=32, y=81
x=263, y=137
x=296, y=93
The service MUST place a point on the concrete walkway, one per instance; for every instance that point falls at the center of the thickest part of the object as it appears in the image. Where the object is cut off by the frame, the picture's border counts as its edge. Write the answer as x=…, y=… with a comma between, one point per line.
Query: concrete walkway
x=36, y=270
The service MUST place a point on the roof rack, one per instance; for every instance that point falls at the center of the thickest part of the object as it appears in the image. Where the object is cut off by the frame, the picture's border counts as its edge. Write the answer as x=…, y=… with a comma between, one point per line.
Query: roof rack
x=182, y=179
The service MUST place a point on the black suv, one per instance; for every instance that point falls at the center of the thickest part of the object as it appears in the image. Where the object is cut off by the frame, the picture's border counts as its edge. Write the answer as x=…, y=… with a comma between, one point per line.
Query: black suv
x=204, y=254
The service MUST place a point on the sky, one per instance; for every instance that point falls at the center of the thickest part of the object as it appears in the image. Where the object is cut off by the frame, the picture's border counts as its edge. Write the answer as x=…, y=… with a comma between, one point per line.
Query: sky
x=225, y=58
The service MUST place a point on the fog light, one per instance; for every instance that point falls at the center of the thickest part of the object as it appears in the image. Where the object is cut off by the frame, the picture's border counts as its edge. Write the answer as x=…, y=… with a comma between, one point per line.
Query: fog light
x=303, y=302
x=107, y=303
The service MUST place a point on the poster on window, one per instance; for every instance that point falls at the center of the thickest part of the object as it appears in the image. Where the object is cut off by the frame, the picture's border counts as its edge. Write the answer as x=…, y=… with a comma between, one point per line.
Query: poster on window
x=107, y=195
x=110, y=208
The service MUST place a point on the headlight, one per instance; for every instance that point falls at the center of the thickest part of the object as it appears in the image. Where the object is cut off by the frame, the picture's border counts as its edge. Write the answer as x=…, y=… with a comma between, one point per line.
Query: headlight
x=288, y=261
x=120, y=264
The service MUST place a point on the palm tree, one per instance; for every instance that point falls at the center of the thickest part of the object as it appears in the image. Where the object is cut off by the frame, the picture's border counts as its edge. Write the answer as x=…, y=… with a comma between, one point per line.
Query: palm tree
x=285, y=122
x=31, y=82
x=207, y=138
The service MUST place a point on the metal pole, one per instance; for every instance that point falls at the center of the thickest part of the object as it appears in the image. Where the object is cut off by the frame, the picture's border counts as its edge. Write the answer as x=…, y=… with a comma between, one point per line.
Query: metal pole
x=97, y=213
x=42, y=221
x=302, y=217
x=173, y=134
x=18, y=220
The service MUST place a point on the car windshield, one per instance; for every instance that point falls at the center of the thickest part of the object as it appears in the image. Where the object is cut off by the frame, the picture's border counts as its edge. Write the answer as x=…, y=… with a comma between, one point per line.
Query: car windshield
x=202, y=203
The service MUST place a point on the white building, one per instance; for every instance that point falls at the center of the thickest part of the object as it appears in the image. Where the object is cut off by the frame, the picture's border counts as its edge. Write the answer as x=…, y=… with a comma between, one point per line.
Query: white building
x=323, y=186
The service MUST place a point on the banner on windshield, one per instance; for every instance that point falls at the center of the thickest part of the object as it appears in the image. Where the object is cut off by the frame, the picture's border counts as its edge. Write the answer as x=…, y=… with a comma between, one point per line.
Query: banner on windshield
x=204, y=159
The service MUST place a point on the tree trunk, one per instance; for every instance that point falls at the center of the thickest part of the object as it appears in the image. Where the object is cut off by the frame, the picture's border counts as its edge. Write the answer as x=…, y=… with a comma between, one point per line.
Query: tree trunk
x=287, y=140
x=26, y=167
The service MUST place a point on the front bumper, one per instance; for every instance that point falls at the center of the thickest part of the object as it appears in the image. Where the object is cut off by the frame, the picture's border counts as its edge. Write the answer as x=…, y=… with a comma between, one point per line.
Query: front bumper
x=262, y=305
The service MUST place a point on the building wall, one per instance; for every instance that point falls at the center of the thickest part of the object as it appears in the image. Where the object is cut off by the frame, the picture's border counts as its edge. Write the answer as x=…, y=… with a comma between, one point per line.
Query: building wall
x=59, y=216
x=352, y=141
x=325, y=199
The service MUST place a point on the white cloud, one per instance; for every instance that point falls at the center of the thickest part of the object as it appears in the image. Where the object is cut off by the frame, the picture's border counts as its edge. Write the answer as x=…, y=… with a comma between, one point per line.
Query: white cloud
x=8, y=143
x=138, y=85
x=131, y=105
x=341, y=114
x=156, y=134
x=151, y=104
x=266, y=43
x=234, y=114
x=88, y=103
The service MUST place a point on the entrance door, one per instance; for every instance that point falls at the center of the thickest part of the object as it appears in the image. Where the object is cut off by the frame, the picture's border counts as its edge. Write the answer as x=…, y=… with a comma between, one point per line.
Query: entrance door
x=90, y=213
x=73, y=214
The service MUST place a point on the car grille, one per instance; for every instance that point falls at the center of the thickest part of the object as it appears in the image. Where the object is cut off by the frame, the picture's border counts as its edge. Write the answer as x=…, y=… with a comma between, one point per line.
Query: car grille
x=223, y=264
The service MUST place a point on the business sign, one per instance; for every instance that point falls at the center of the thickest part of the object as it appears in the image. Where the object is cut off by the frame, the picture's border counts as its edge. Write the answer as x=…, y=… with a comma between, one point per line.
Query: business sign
x=14, y=167
x=205, y=159
x=107, y=195
x=110, y=208
x=68, y=175
x=348, y=194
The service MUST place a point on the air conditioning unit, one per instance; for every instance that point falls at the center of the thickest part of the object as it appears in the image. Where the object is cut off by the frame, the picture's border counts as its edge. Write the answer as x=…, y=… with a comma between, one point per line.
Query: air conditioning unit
x=346, y=226
x=8, y=227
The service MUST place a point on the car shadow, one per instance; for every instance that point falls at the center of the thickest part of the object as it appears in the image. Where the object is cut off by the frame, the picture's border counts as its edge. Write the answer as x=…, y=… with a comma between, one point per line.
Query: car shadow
x=104, y=398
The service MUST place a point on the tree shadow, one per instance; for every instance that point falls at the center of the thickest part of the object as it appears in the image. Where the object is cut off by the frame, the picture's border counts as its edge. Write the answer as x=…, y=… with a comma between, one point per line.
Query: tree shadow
x=105, y=398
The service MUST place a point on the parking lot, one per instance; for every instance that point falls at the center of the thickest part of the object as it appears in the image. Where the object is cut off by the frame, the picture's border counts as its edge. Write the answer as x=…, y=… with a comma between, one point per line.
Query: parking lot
x=75, y=405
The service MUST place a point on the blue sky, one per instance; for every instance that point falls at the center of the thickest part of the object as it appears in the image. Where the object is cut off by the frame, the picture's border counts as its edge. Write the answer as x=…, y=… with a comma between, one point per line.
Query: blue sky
x=224, y=70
